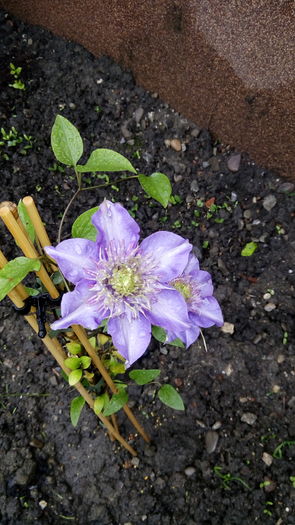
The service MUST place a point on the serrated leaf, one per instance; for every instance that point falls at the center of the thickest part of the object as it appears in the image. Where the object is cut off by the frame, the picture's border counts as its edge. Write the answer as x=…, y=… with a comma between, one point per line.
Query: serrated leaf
x=106, y=160
x=76, y=408
x=85, y=361
x=170, y=397
x=66, y=141
x=83, y=227
x=14, y=272
x=73, y=362
x=98, y=404
x=75, y=377
x=142, y=377
x=159, y=334
x=25, y=218
x=157, y=186
x=249, y=249
x=116, y=402
x=74, y=348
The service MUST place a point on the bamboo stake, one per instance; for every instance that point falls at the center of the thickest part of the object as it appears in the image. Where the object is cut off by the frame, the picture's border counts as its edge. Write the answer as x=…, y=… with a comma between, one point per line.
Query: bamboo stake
x=27, y=248
x=80, y=333
x=36, y=220
x=57, y=352
x=29, y=251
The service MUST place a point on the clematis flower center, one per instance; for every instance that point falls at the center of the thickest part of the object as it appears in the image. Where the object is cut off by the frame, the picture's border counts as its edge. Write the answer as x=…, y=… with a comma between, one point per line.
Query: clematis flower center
x=124, y=281
x=183, y=287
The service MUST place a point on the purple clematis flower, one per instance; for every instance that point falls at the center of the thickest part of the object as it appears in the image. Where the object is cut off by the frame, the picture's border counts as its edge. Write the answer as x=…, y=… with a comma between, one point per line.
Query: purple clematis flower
x=123, y=281
x=196, y=287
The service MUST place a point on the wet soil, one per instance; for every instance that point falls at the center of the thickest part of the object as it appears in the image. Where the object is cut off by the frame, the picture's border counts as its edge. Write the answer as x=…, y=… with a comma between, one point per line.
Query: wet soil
x=215, y=463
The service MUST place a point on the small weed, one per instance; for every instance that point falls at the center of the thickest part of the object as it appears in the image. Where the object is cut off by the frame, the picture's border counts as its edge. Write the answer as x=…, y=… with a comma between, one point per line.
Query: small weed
x=292, y=479
x=278, y=451
x=267, y=511
x=15, y=73
x=205, y=245
x=11, y=139
x=265, y=483
x=228, y=478
x=175, y=199
x=285, y=338
x=177, y=224
x=57, y=168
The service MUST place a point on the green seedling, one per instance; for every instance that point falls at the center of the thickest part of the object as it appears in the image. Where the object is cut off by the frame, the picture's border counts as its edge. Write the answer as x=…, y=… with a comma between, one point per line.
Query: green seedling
x=292, y=479
x=278, y=451
x=267, y=511
x=285, y=338
x=15, y=73
x=265, y=483
x=228, y=478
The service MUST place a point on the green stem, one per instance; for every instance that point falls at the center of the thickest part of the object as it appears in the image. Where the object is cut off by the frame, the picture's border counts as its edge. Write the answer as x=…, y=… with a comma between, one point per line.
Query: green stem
x=64, y=214
x=109, y=183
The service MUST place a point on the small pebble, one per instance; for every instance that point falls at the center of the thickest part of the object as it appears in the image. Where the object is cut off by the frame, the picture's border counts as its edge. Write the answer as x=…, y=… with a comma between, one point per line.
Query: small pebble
x=267, y=459
x=216, y=425
x=135, y=462
x=248, y=418
x=269, y=202
x=195, y=132
x=194, y=186
x=72, y=105
x=8, y=363
x=189, y=471
x=233, y=196
x=247, y=214
x=269, y=307
x=276, y=389
x=176, y=144
x=286, y=187
x=233, y=162
x=178, y=178
x=211, y=440
x=228, y=328
x=30, y=41
x=291, y=402
x=280, y=358
x=205, y=164
x=138, y=114
x=267, y=296
x=163, y=350
x=43, y=504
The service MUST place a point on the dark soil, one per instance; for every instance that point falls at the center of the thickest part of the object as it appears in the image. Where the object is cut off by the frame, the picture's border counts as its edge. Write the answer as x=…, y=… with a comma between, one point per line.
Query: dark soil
x=240, y=391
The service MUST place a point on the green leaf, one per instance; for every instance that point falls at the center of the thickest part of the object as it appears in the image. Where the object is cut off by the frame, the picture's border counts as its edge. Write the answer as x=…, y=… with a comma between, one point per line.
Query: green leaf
x=157, y=186
x=66, y=141
x=159, y=334
x=14, y=272
x=83, y=227
x=75, y=376
x=25, y=218
x=76, y=408
x=177, y=342
x=142, y=377
x=249, y=249
x=73, y=363
x=85, y=361
x=116, y=402
x=99, y=404
x=74, y=348
x=170, y=397
x=106, y=160
x=32, y=291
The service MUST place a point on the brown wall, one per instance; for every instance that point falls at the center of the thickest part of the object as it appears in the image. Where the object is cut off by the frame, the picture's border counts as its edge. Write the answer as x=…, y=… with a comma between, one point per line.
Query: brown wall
x=227, y=65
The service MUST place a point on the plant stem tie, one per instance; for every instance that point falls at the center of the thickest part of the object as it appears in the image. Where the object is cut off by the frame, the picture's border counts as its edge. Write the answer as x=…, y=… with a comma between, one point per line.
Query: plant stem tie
x=40, y=302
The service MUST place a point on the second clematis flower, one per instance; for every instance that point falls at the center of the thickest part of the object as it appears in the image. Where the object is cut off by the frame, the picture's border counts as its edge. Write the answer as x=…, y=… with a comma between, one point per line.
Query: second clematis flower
x=196, y=287
x=123, y=281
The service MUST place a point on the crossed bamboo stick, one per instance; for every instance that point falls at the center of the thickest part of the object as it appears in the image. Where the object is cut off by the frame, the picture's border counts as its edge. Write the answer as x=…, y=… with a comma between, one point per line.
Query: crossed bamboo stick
x=9, y=215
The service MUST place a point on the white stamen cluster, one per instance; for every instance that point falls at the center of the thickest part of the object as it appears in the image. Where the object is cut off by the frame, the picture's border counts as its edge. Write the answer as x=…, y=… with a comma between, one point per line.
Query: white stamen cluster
x=124, y=281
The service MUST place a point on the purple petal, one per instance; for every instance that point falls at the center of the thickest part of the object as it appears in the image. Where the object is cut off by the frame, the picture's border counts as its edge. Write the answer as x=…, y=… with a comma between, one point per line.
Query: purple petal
x=170, y=312
x=192, y=266
x=189, y=336
x=169, y=251
x=76, y=309
x=204, y=283
x=114, y=223
x=75, y=257
x=130, y=336
x=207, y=313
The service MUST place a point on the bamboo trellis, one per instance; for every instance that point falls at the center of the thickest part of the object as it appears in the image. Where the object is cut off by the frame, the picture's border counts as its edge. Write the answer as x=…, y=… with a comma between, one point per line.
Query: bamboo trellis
x=9, y=215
